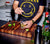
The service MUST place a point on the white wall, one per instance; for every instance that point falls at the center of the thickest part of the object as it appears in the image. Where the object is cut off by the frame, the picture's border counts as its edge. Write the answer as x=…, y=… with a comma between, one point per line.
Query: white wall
x=11, y=1
x=48, y=1
x=2, y=2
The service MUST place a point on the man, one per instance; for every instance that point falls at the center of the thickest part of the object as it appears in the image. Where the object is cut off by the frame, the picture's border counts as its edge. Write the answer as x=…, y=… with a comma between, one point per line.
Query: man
x=30, y=11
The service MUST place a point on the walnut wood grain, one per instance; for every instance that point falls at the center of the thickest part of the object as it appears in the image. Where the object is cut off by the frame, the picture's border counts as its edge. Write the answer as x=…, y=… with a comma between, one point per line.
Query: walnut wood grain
x=12, y=28
x=17, y=30
x=29, y=34
x=33, y=27
x=5, y=26
x=8, y=28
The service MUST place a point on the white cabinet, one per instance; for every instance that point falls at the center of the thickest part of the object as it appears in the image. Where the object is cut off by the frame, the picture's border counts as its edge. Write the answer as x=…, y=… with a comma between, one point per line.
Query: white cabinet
x=2, y=2
x=5, y=14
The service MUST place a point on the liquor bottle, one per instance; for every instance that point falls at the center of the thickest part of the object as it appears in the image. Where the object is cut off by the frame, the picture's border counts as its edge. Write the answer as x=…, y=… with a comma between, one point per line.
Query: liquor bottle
x=48, y=7
x=46, y=19
x=46, y=22
x=49, y=35
x=46, y=36
x=49, y=17
x=38, y=35
x=46, y=30
x=49, y=29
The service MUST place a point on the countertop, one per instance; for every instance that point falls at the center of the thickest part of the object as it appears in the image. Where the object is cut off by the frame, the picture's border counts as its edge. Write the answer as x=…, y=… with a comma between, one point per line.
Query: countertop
x=12, y=39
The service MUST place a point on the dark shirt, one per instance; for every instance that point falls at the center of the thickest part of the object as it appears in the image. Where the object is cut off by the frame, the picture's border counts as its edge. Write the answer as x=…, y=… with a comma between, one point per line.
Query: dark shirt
x=30, y=8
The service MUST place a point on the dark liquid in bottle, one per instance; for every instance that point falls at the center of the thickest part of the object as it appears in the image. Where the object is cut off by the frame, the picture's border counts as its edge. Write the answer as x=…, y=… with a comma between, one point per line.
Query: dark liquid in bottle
x=38, y=35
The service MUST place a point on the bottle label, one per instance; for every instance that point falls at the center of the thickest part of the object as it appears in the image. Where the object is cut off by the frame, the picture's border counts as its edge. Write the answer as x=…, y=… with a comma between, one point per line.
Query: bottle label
x=46, y=15
x=46, y=26
x=38, y=30
x=47, y=21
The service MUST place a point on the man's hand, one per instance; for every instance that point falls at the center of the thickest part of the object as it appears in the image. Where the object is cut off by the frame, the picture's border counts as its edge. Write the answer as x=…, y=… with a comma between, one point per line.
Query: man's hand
x=18, y=10
x=28, y=24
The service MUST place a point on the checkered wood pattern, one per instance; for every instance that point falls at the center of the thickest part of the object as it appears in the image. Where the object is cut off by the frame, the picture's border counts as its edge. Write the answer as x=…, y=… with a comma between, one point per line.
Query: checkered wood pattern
x=17, y=30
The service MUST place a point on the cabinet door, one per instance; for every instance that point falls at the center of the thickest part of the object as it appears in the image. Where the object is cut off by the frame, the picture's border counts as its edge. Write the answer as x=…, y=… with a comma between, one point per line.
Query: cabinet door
x=5, y=16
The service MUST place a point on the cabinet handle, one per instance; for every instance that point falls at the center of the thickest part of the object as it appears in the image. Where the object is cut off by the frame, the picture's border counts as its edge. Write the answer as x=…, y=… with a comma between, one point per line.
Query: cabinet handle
x=8, y=16
x=8, y=12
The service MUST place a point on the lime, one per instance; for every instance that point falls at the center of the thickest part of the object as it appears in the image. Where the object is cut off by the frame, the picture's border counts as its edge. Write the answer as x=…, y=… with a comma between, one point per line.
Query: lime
x=27, y=29
x=13, y=24
x=9, y=25
x=32, y=41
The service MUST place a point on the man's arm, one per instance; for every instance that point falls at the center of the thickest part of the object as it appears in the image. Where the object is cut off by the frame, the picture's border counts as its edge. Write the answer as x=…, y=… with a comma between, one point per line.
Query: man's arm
x=39, y=13
x=17, y=9
x=15, y=4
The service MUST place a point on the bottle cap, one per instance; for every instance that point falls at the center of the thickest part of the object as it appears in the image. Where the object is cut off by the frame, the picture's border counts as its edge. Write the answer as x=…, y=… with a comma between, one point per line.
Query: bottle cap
x=46, y=14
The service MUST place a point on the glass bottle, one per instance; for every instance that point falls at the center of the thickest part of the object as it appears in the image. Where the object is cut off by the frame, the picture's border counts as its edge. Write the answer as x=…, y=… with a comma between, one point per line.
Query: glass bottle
x=38, y=35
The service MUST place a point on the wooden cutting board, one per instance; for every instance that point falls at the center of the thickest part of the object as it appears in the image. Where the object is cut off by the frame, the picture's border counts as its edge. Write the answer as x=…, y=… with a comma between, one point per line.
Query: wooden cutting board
x=17, y=30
